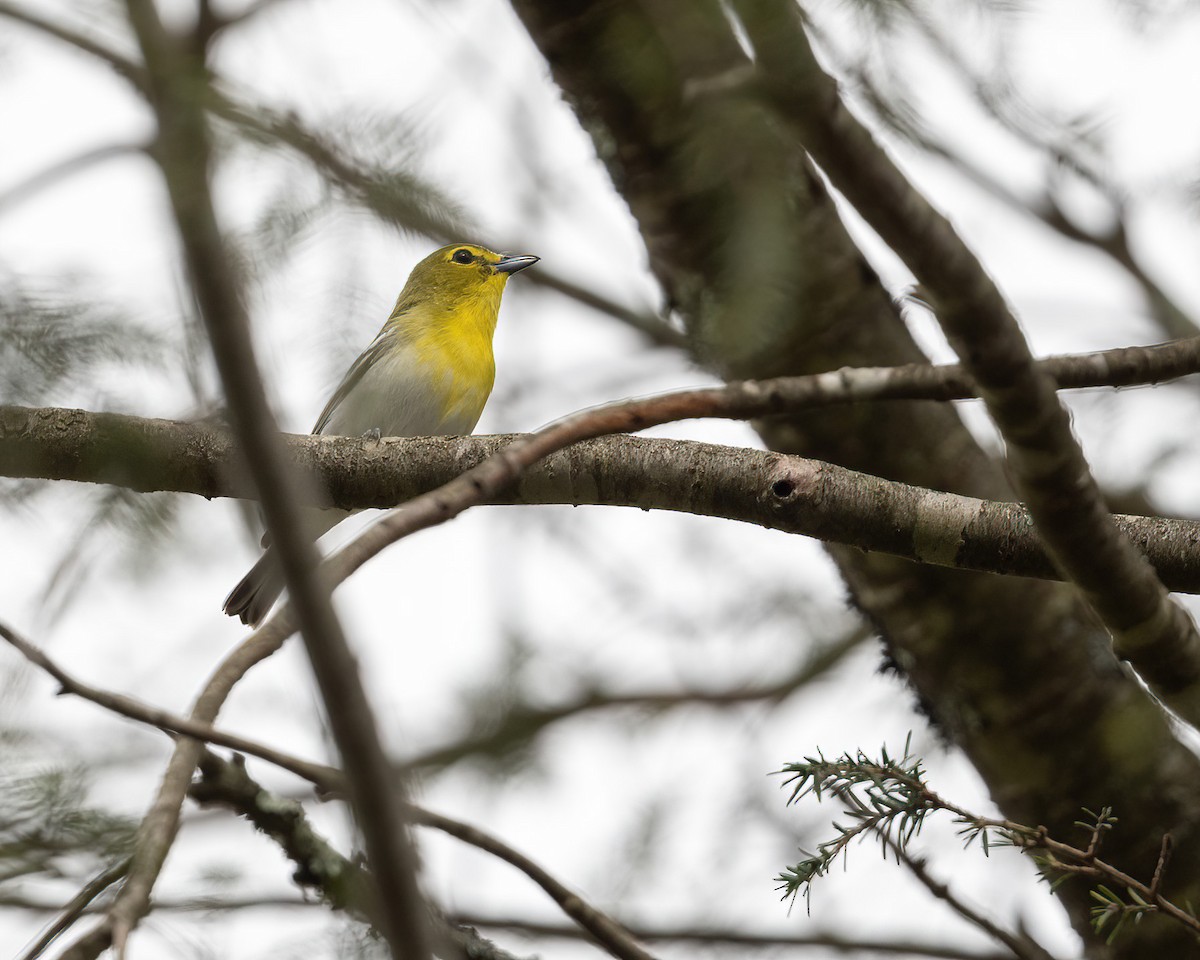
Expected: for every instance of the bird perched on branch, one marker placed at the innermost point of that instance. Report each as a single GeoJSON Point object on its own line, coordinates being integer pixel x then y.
{"type": "Point", "coordinates": [427, 373]}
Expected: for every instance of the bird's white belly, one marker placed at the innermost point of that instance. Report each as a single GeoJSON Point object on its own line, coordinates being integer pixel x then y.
{"type": "Point", "coordinates": [400, 397]}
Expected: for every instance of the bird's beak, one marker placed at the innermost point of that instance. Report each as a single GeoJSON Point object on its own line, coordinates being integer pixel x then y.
{"type": "Point", "coordinates": [513, 264]}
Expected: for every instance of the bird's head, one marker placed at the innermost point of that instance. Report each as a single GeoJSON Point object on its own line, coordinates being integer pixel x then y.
{"type": "Point", "coordinates": [461, 275]}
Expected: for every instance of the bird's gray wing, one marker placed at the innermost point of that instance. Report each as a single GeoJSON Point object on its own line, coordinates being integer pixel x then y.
{"type": "Point", "coordinates": [379, 346]}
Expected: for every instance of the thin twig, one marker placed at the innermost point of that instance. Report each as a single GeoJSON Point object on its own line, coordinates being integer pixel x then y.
{"type": "Point", "coordinates": [77, 906]}
{"type": "Point", "coordinates": [161, 822]}
{"type": "Point", "coordinates": [327, 779]}
{"type": "Point", "coordinates": [1066, 858]}
{"type": "Point", "coordinates": [229, 783]}
{"type": "Point", "coordinates": [699, 936]}
{"type": "Point", "coordinates": [49, 176]}
{"type": "Point", "coordinates": [124, 67]}
{"type": "Point", "coordinates": [735, 939]}
{"type": "Point", "coordinates": [523, 723]}
{"type": "Point", "coordinates": [1020, 945]}
{"type": "Point", "coordinates": [607, 931]}
{"type": "Point", "coordinates": [1160, 868]}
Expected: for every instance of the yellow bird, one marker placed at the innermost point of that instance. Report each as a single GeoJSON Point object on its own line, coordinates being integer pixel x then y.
{"type": "Point", "coordinates": [427, 373]}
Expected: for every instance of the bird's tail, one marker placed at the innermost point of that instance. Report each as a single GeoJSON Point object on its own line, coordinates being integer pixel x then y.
{"type": "Point", "coordinates": [256, 592]}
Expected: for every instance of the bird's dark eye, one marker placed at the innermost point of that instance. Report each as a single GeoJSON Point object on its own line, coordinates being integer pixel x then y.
{"type": "Point", "coordinates": [462, 256]}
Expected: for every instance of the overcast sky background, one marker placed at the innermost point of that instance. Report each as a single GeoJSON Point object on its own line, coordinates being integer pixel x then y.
{"type": "Point", "coordinates": [638, 600]}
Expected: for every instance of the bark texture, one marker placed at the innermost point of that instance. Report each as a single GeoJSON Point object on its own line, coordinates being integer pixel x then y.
{"type": "Point", "coordinates": [786, 493]}
{"type": "Point", "coordinates": [745, 239]}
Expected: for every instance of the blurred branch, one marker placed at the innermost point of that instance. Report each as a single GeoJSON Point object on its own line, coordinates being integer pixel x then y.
{"type": "Point", "coordinates": [198, 904]}
{"type": "Point", "coordinates": [404, 202]}
{"type": "Point", "coordinates": [225, 22]}
{"type": "Point", "coordinates": [735, 939]}
{"type": "Point", "coordinates": [57, 334]}
{"type": "Point", "coordinates": [77, 906]}
{"type": "Point", "coordinates": [174, 82]}
{"type": "Point", "coordinates": [128, 69]}
{"type": "Point", "coordinates": [610, 934]}
{"type": "Point", "coordinates": [229, 783]}
{"type": "Point", "coordinates": [54, 174]}
{"type": "Point", "coordinates": [653, 327]}
{"type": "Point", "coordinates": [696, 936]}
{"type": "Point", "coordinates": [395, 197]}
{"type": "Point", "coordinates": [521, 722]}
{"type": "Point", "coordinates": [284, 820]}
{"type": "Point", "coordinates": [1148, 628]}
{"type": "Point", "coordinates": [1171, 318]}
{"type": "Point", "coordinates": [341, 882]}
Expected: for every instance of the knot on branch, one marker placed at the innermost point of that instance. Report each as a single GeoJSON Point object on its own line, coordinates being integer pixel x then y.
{"type": "Point", "coordinates": [792, 481]}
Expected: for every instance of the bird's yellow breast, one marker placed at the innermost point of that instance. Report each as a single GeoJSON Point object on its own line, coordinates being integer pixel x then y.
{"type": "Point", "coordinates": [456, 348]}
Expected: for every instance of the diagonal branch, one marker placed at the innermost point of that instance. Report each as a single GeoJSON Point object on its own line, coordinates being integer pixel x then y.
{"type": "Point", "coordinates": [128, 69]}
{"type": "Point", "coordinates": [228, 783]}
{"type": "Point", "coordinates": [55, 173]}
{"type": "Point", "coordinates": [325, 778]}
{"type": "Point", "coordinates": [1021, 944]}
{"type": "Point", "coordinates": [176, 82]}
{"type": "Point", "coordinates": [346, 887]}
{"type": "Point", "coordinates": [1149, 630]}
{"type": "Point", "coordinates": [77, 905]}
{"type": "Point", "coordinates": [161, 821]}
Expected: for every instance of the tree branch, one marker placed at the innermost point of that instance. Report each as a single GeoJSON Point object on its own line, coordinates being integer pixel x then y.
{"type": "Point", "coordinates": [1148, 629]}
{"type": "Point", "coordinates": [522, 722]}
{"type": "Point", "coordinates": [790, 494]}
{"type": "Point", "coordinates": [128, 69]}
{"type": "Point", "coordinates": [1021, 944]}
{"type": "Point", "coordinates": [325, 778]}
{"type": "Point", "coordinates": [178, 86]}
{"type": "Point", "coordinates": [342, 883]}
{"type": "Point", "coordinates": [57, 172]}
{"type": "Point", "coordinates": [229, 783]}
{"type": "Point", "coordinates": [161, 821]}
{"type": "Point", "coordinates": [77, 906]}
{"type": "Point", "coordinates": [736, 939]}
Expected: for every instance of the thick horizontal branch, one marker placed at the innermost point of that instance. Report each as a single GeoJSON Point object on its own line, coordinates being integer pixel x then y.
{"type": "Point", "coordinates": [779, 492]}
